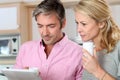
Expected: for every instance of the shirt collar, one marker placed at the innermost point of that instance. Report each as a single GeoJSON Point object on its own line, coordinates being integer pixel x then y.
{"type": "Point", "coordinates": [63, 41]}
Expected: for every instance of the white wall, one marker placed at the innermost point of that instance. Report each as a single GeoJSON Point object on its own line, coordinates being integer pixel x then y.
{"type": "Point", "coordinates": [71, 27]}
{"type": "Point", "coordinates": [116, 13]}
{"type": "Point", "coordinates": [7, 1]}
{"type": "Point", "coordinates": [35, 32]}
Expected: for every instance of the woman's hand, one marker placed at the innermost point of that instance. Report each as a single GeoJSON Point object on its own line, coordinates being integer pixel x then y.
{"type": "Point", "coordinates": [90, 63]}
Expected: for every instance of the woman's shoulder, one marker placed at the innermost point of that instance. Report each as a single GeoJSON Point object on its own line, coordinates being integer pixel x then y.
{"type": "Point", "coordinates": [117, 46]}
{"type": "Point", "coordinates": [118, 43]}
{"type": "Point", "coordinates": [117, 50]}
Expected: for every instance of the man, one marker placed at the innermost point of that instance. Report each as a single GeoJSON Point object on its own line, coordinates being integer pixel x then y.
{"type": "Point", "coordinates": [56, 57]}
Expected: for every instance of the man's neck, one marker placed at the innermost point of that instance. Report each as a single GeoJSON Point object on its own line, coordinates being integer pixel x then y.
{"type": "Point", "coordinates": [48, 48]}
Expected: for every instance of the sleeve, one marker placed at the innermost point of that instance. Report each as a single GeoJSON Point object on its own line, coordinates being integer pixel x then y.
{"type": "Point", "coordinates": [79, 73]}
{"type": "Point", "coordinates": [80, 67]}
{"type": "Point", "coordinates": [118, 74]}
{"type": "Point", "coordinates": [118, 77]}
{"type": "Point", "coordinates": [18, 63]}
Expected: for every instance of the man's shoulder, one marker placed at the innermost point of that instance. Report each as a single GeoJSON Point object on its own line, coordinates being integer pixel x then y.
{"type": "Point", "coordinates": [74, 44]}
{"type": "Point", "coordinates": [31, 43]}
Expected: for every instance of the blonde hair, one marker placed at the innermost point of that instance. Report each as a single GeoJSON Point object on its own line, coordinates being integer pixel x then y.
{"type": "Point", "coordinates": [100, 12]}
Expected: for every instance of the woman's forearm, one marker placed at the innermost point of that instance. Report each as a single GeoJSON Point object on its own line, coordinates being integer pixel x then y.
{"type": "Point", "coordinates": [103, 75]}
{"type": "Point", "coordinates": [108, 77]}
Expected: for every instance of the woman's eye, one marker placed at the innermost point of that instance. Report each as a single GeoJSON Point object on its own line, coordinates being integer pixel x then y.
{"type": "Point", "coordinates": [76, 22]}
{"type": "Point", "coordinates": [83, 24]}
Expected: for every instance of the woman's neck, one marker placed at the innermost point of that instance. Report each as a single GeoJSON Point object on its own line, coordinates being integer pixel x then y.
{"type": "Point", "coordinates": [97, 43]}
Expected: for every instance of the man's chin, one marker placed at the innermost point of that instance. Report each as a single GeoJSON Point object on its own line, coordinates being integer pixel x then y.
{"type": "Point", "coordinates": [47, 42]}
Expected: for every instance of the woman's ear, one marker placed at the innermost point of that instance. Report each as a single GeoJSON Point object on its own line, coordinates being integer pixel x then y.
{"type": "Point", "coordinates": [101, 25]}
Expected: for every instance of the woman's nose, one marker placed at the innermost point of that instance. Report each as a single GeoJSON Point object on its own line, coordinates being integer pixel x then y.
{"type": "Point", "coordinates": [79, 28]}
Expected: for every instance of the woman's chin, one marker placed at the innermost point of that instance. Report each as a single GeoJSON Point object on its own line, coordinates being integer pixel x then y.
{"type": "Point", "coordinates": [84, 40]}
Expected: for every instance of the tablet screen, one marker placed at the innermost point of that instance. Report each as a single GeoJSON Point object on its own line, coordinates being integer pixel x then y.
{"type": "Point", "coordinates": [21, 74]}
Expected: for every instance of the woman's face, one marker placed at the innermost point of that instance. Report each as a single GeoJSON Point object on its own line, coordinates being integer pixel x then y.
{"type": "Point", "coordinates": [87, 27]}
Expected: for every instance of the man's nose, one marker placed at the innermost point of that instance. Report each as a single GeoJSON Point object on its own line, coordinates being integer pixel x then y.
{"type": "Point", "coordinates": [45, 31]}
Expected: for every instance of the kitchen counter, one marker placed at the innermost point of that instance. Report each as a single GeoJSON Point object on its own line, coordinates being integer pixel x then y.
{"type": "Point", "coordinates": [2, 67]}
{"type": "Point", "coordinates": [3, 78]}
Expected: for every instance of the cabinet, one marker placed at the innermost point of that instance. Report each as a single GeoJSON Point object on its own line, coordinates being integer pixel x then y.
{"type": "Point", "coordinates": [13, 21]}
{"type": "Point", "coordinates": [16, 17]}
{"type": "Point", "coordinates": [8, 18]}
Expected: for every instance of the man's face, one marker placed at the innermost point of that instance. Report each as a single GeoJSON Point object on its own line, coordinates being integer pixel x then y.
{"type": "Point", "coordinates": [49, 28]}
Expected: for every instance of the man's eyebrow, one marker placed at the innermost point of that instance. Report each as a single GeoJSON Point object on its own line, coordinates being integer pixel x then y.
{"type": "Point", "coordinates": [50, 24]}
{"type": "Point", "coordinates": [38, 24]}
{"type": "Point", "coordinates": [46, 25]}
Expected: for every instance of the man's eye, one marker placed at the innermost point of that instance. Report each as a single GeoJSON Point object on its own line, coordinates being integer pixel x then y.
{"type": "Point", "coordinates": [52, 26]}
{"type": "Point", "coordinates": [39, 26]}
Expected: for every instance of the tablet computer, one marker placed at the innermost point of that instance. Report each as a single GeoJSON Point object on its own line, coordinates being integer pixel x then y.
{"type": "Point", "coordinates": [21, 74]}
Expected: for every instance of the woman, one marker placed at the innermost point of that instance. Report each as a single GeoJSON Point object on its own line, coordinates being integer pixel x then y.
{"type": "Point", "coordinates": [94, 22]}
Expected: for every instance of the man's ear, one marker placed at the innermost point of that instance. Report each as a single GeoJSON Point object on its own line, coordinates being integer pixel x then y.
{"type": "Point", "coordinates": [64, 23]}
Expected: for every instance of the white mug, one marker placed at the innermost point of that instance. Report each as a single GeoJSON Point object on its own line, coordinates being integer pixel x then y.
{"type": "Point", "coordinates": [88, 45]}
